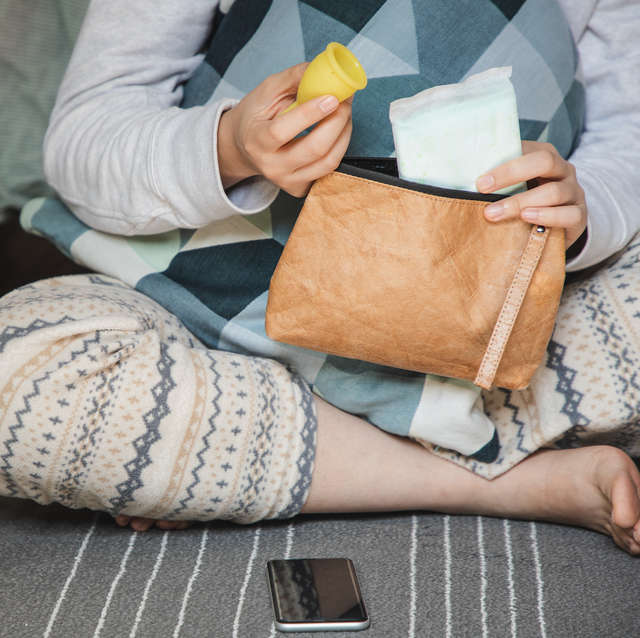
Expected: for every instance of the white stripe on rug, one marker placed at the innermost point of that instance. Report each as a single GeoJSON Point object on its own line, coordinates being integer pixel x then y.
{"type": "Point", "coordinates": [447, 574]}
{"type": "Point", "coordinates": [71, 576]}
{"type": "Point", "coordinates": [512, 589]}
{"type": "Point", "coordinates": [287, 549]}
{"type": "Point", "coordinates": [483, 579]}
{"type": "Point", "coordinates": [194, 575]}
{"type": "Point", "coordinates": [539, 581]}
{"type": "Point", "coordinates": [247, 577]}
{"type": "Point", "coordinates": [412, 575]}
{"type": "Point", "coordinates": [114, 584]}
{"type": "Point", "coordinates": [154, 573]}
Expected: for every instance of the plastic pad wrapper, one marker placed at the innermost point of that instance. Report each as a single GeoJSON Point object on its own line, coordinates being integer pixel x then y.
{"type": "Point", "coordinates": [449, 135]}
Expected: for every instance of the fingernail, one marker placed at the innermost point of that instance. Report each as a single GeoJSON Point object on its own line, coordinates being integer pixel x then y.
{"type": "Point", "coordinates": [329, 104]}
{"type": "Point", "coordinates": [493, 211]}
{"type": "Point", "coordinates": [530, 215]}
{"type": "Point", "coordinates": [486, 182]}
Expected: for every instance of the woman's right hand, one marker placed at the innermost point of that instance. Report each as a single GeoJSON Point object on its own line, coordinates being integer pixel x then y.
{"type": "Point", "coordinates": [256, 138]}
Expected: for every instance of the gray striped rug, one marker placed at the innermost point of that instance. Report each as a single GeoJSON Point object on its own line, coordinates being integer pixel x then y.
{"type": "Point", "coordinates": [74, 574]}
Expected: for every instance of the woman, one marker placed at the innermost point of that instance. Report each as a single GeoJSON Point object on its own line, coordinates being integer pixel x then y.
{"type": "Point", "coordinates": [117, 98]}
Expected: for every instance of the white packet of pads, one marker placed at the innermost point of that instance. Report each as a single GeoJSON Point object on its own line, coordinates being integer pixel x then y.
{"type": "Point", "coordinates": [449, 135]}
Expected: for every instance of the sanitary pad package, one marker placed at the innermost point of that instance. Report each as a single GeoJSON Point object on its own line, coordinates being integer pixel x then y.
{"type": "Point", "coordinates": [449, 135]}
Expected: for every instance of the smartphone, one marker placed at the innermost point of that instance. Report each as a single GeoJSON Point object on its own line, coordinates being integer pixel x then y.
{"type": "Point", "coordinates": [316, 594]}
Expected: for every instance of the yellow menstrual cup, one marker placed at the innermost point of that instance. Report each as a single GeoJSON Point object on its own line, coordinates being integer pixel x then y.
{"type": "Point", "coordinates": [336, 71]}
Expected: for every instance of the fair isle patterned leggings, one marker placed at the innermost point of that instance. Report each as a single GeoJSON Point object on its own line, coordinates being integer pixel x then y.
{"type": "Point", "coordinates": [108, 402]}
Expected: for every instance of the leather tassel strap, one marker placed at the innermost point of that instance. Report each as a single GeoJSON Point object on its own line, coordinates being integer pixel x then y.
{"type": "Point", "coordinates": [511, 307]}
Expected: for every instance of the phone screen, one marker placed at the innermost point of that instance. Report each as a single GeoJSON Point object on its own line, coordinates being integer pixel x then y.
{"type": "Point", "coordinates": [317, 590]}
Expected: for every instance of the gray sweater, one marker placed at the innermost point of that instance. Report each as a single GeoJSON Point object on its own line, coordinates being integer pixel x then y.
{"type": "Point", "coordinates": [127, 160]}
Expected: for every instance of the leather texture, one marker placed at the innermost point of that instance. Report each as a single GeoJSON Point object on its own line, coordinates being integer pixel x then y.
{"type": "Point", "coordinates": [384, 274]}
{"type": "Point", "coordinates": [511, 307]}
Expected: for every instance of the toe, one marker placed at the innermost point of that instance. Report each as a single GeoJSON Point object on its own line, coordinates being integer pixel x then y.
{"type": "Point", "coordinates": [634, 548]}
{"type": "Point", "coordinates": [625, 502]}
{"type": "Point", "coordinates": [174, 524]}
{"type": "Point", "coordinates": [624, 540]}
{"type": "Point", "coordinates": [123, 520]}
{"type": "Point", "coordinates": [140, 524]}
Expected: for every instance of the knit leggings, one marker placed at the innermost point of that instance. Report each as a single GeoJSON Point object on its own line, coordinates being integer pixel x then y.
{"type": "Point", "coordinates": [108, 402]}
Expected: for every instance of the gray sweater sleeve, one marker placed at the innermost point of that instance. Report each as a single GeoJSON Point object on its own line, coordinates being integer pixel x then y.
{"type": "Point", "coordinates": [118, 150]}
{"type": "Point", "coordinates": [607, 160]}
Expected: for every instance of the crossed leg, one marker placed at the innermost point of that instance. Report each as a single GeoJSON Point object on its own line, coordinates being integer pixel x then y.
{"type": "Point", "coordinates": [359, 468]}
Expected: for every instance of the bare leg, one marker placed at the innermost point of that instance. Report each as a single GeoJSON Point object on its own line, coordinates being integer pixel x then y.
{"type": "Point", "coordinates": [361, 468]}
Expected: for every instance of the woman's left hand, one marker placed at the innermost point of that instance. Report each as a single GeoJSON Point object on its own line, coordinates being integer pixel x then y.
{"type": "Point", "coordinates": [557, 200]}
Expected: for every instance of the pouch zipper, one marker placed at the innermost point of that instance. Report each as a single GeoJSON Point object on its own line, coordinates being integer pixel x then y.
{"type": "Point", "coordinates": [385, 171]}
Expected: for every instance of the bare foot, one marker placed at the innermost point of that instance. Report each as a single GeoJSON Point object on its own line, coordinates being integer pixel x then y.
{"type": "Point", "coordinates": [141, 524]}
{"type": "Point", "coordinates": [595, 487]}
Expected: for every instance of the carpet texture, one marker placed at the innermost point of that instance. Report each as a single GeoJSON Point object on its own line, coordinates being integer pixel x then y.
{"type": "Point", "coordinates": [71, 574]}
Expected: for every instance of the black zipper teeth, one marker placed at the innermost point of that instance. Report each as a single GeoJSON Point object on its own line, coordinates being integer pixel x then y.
{"type": "Point", "coordinates": [379, 167]}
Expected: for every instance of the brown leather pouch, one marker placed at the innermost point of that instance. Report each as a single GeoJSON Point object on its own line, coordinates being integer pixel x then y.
{"type": "Point", "coordinates": [414, 277]}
